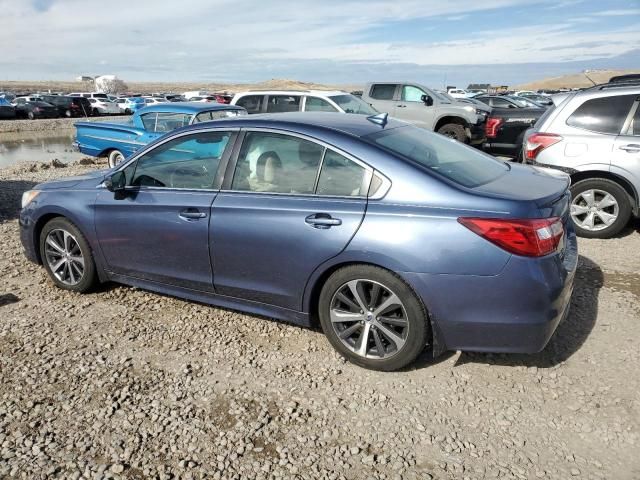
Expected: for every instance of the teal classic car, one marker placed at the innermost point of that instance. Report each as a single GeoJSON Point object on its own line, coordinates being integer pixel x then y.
{"type": "Point", "coordinates": [117, 141]}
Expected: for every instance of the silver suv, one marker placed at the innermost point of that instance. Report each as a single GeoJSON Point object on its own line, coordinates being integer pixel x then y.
{"type": "Point", "coordinates": [594, 136]}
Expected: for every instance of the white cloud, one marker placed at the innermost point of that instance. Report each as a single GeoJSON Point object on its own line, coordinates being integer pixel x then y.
{"type": "Point", "coordinates": [229, 39]}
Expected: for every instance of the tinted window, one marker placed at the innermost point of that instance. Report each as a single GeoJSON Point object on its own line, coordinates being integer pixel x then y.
{"type": "Point", "coordinates": [443, 156]}
{"type": "Point", "coordinates": [635, 127]}
{"type": "Point", "coordinates": [315, 104]}
{"type": "Point", "coordinates": [340, 176]}
{"type": "Point", "coordinates": [270, 162]}
{"type": "Point", "coordinates": [383, 91]}
{"type": "Point", "coordinates": [603, 115]}
{"type": "Point", "coordinates": [500, 102]}
{"type": "Point", "coordinates": [352, 104]}
{"type": "Point", "coordinates": [252, 103]}
{"type": "Point", "coordinates": [283, 103]}
{"type": "Point", "coordinates": [412, 94]}
{"type": "Point", "coordinates": [216, 114]}
{"type": "Point", "coordinates": [185, 162]}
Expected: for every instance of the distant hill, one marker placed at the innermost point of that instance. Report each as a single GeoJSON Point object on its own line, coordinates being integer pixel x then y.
{"type": "Point", "coordinates": [575, 80]}
{"type": "Point", "coordinates": [151, 87]}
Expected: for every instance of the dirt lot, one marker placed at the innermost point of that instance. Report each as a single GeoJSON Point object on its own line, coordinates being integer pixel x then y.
{"type": "Point", "coordinates": [51, 124]}
{"type": "Point", "coordinates": [123, 383]}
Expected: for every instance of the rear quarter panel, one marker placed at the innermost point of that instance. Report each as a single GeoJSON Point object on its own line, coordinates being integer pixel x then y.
{"type": "Point", "coordinates": [96, 139]}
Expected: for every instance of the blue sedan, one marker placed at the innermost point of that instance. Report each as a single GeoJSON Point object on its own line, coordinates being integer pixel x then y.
{"type": "Point", "coordinates": [390, 237]}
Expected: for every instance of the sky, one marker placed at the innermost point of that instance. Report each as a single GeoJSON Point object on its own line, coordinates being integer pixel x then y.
{"type": "Point", "coordinates": [437, 42]}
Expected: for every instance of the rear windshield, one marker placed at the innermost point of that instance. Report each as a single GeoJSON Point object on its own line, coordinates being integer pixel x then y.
{"type": "Point", "coordinates": [353, 104]}
{"type": "Point", "coordinates": [443, 156]}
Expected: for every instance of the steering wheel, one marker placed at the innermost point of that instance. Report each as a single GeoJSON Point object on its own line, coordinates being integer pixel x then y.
{"type": "Point", "coordinates": [181, 176]}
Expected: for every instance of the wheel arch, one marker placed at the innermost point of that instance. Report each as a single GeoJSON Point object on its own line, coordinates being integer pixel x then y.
{"type": "Point", "coordinates": [450, 119]}
{"type": "Point", "coordinates": [620, 180]}
{"type": "Point", "coordinates": [37, 231]}
{"type": "Point", "coordinates": [320, 276]}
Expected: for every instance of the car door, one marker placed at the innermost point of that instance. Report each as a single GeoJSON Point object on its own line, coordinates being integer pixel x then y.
{"type": "Point", "coordinates": [384, 97]}
{"type": "Point", "coordinates": [289, 203]}
{"type": "Point", "coordinates": [625, 159]}
{"type": "Point", "coordinates": [159, 229]}
{"type": "Point", "coordinates": [412, 109]}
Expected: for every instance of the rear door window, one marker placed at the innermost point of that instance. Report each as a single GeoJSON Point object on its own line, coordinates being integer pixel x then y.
{"type": "Point", "coordinates": [383, 91]}
{"type": "Point", "coordinates": [252, 103]}
{"type": "Point", "coordinates": [602, 115]}
{"type": "Point", "coordinates": [283, 103]}
{"type": "Point", "coordinates": [341, 176]}
{"type": "Point", "coordinates": [271, 162]}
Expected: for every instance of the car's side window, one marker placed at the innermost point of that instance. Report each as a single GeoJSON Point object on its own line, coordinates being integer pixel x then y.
{"type": "Point", "coordinates": [283, 103]}
{"type": "Point", "coordinates": [602, 115]}
{"type": "Point", "coordinates": [499, 102]}
{"type": "Point", "coordinates": [412, 94]}
{"type": "Point", "coordinates": [383, 91]}
{"type": "Point", "coordinates": [635, 125]}
{"type": "Point", "coordinates": [190, 161]}
{"type": "Point", "coordinates": [216, 114]}
{"type": "Point", "coordinates": [341, 176]}
{"type": "Point", "coordinates": [165, 122]}
{"type": "Point", "coordinates": [315, 104]}
{"type": "Point", "coordinates": [271, 162]}
{"type": "Point", "coordinates": [148, 120]}
{"type": "Point", "coordinates": [251, 103]}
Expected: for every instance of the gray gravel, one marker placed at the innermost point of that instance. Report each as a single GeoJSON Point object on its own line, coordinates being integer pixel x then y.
{"type": "Point", "coordinates": [123, 383]}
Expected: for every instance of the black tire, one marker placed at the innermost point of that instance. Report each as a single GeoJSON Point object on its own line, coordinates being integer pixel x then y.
{"type": "Point", "coordinates": [89, 276]}
{"type": "Point", "coordinates": [115, 158]}
{"type": "Point", "coordinates": [617, 192]}
{"type": "Point", "coordinates": [127, 111]}
{"type": "Point", "coordinates": [416, 336]}
{"type": "Point", "coordinates": [95, 112]}
{"type": "Point", "coordinates": [31, 115]}
{"type": "Point", "coordinates": [455, 131]}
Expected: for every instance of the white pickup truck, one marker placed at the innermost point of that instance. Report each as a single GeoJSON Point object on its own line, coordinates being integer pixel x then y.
{"type": "Point", "coordinates": [426, 108]}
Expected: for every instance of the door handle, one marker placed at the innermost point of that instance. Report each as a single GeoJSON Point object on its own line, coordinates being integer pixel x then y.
{"type": "Point", "coordinates": [631, 148]}
{"type": "Point", "coordinates": [401, 106]}
{"type": "Point", "coordinates": [192, 214]}
{"type": "Point", "coordinates": [322, 220]}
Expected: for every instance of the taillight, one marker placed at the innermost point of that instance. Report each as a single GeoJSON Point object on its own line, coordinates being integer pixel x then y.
{"type": "Point", "coordinates": [492, 125]}
{"type": "Point", "coordinates": [537, 142]}
{"type": "Point", "coordinates": [534, 237]}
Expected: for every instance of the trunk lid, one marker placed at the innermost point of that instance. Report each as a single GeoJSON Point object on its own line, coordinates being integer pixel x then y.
{"type": "Point", "coordinates": [528, 183]}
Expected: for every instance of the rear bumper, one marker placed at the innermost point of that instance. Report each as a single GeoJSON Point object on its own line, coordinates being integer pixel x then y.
{"type": "Point", "coordinates": [516, 311]}
{"type": "Point", "coordinates": [507, 149]}
{"type": "Point", "coordinates": [477, 134]}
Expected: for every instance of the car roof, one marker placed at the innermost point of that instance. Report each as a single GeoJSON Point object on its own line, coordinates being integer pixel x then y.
{"type": "Point", "coordinates": [348, 123]}
{"type": "Point", "coordinates": [189, 107]}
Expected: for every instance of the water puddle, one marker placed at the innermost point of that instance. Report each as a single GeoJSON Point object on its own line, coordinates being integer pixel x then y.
{"type": "Point", "coordinates": [37, 147]}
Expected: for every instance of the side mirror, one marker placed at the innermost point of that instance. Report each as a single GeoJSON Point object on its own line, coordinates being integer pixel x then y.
{"type": "Point", "coordinates": [427, 100]}
{"type": "Point", "coordinates": [116, 182]}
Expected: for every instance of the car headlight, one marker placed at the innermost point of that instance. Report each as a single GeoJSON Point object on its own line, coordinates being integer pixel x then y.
{"type": "Point", "coordinates": [28, 196]}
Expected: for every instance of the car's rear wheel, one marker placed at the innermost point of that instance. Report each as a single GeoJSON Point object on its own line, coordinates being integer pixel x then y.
{"type": "Point", "coordinates": [115, 158]}
{"type": "Point", "coordinates": [372, 317]}
{"type": "Point", "coordinates": [455, 131]}
{"type": "Point", "coordinates": [600, 208]}
{"type": "Point", "coordinates": [66, 256]}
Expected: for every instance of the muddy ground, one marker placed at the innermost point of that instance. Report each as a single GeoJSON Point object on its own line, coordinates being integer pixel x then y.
{"type": "Point", "coordinates": [123, 383]}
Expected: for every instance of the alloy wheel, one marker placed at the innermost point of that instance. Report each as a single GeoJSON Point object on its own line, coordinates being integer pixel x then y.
{"type": "Point", "coordinates": [594, 210]}
{"type": "Point", "coordinates": [369, 319]}
{"type": "Point", "coordinates": [64, 257]}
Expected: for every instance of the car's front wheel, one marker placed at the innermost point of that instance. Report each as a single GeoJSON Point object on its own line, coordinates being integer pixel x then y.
{"type": "Point", "coordinates": [600, 208]}
{"type": "Point", "coordinates": [115, 158]}
{"type": "Point", "coordinates": [66, 256]}
{"type": "Point", "coordinates": [372, 317]}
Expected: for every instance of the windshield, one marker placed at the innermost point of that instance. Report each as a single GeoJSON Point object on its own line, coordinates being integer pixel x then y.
{"type": "Point", "coordinates": [523, 102]}
{"type": "Point", "coordinates": [353, 104]}
{"type": "Point", "coordinates": [441, 155]}
{"type": "Point", "coordinates": [443, 97]}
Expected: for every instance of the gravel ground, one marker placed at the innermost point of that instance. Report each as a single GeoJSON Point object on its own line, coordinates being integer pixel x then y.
{"type": "Point", "coordinates": [50, 124]}
{"type": "Point", "coordinates": [123, 383]}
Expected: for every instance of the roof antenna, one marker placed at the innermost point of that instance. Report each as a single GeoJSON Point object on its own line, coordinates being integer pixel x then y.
{"type": "Point", "coordinates": [584, 72]}
{"type": "Point", "coordinates": [380, 119]}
